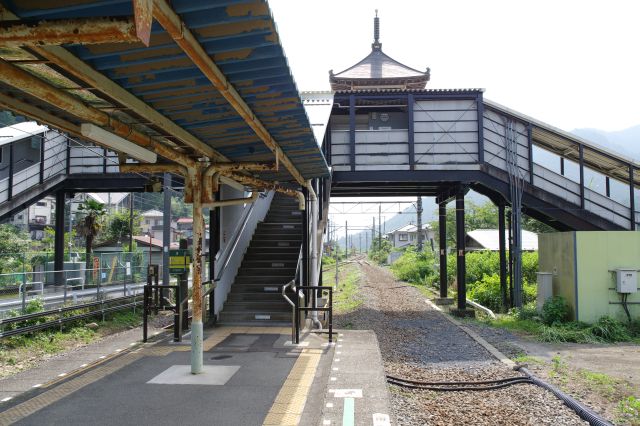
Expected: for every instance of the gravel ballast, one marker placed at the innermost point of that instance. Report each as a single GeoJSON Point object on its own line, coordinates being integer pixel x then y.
{"type": "Point", "coordinates": [418, 343]}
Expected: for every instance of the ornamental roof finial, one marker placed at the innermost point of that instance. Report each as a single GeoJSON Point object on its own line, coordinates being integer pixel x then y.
{"type": "Point", "coordinates": [376, 33]}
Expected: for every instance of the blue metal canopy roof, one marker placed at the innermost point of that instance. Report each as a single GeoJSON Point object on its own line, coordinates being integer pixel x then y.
{"type": "Point", "coordinates": [241, 38]}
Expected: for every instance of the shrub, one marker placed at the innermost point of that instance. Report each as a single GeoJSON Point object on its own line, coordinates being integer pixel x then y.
{"type": "Point", "coordinates": [555, 311]}
{"type": "Point", "coordinates": [610, 330]}
{"type": "Point", "coordinates": [415, 267]}
{"type": "Point", "coordinates": [487, 292]}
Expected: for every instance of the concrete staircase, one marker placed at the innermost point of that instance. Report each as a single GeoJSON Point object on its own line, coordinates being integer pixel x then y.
{"type": "Point", "coordinates": [269, 263]}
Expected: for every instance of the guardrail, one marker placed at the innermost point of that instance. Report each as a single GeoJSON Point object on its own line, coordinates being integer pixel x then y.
{"type": "Point", "coordinates": [328, 308]}
{"type": "Point", "coordinates": [102, 307]}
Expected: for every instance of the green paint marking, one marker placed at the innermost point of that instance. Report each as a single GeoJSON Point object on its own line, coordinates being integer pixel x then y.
{"type": "Point", "coordinates": [348, 414]}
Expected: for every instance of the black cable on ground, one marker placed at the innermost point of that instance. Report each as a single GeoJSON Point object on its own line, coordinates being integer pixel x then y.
{"type": "Point", "coordinates": [581, 410]}
{"type": "Point", "coordinates": [482, 382]}
{"type": "Point", "coordinates": [458, 386]}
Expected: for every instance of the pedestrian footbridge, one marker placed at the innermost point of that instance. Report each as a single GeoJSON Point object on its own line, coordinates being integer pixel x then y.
{"type": "Point", "coordinates": [429, 142]}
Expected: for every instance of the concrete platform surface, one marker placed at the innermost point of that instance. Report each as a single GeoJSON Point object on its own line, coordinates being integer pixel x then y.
{"type": "Point", "coordinates": [253, 376]}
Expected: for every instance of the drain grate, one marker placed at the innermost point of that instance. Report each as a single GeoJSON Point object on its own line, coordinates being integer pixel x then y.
{"type": "Point", "coordinates": [219, 357]}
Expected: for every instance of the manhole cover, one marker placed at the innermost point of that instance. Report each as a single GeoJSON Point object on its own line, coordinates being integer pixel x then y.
{"type": "Point", "coordinates": [219, 357]}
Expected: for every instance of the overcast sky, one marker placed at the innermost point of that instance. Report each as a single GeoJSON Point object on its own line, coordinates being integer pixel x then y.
{"type": "Point", "coordinates": [571, 64]}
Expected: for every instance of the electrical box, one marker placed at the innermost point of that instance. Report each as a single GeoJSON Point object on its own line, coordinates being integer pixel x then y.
{"type": "Point", "coordinates": [626, 280]}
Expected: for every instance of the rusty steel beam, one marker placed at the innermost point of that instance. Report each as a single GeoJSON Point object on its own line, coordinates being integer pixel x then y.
{"type": "Point", "coordinates": [75, 66]}
{"type": "Point", "coordinates": [142, 12]}
{"type": "Point", "coordinates": [69, 31]}
{"type": "Point", "coordinates": [184, 38]}
{"type": "Point", "coordinates": [38, 114]}
{"type": "Point", "coordinates": [244, 165]}
{"type": "Point", "coordinates": [153, 168]}
{"type": "Point", "coordinates": [262, 184]}
{"type": "Point", "coordinates": [28, 83]}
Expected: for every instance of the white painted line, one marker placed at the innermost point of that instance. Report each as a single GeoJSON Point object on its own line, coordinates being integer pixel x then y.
{"type": "Point", "coordinates": [118, 350]}
{"type": "Point", "coordinates": [301, 344]}
{"type": "Point", "coordinates": [380, 419]}
{"type": "Point", "coordinates": [337, 360]}
{"type": "Point", "coordinates": [347, 393]}
{"type": "Point", "coordinates": [102, 357]}
{"type": "Point", "coordinates": [83, 365]}
{"type": "Point", "coordinates": [333, 379]}
{"type": "Point", "coordinates": [338, 352]}
{"type": "Point", "coordinates": [132, 343]}
{"type": "Point", "coordinates": [339, 346]}
{"type": "Point", "coordinates": [9, 398]}
{"type": "Point", "coordinates": [156, 333]}
{"type": "Point", "coordinates": [335, 368]}
{"type": "Point", "coordinates": [340, 334]}
{"type": "Point", "coordinates": [329, 404]}
{"type": "Point", "coordinates": [62, 374]}
{"type": "Point", "coordinates": [37, 385]}
{"type": "Point", "coordinates": [326, 422]}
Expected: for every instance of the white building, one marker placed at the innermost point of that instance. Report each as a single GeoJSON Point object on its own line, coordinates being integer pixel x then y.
{"type": "Point", "coordinates": [408, 235]}
{"type": "Point", "coordinates": [488, 239]}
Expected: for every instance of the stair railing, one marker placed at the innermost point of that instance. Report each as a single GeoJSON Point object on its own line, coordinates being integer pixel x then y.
{"type": "Point", "coordinates": [295, 324]}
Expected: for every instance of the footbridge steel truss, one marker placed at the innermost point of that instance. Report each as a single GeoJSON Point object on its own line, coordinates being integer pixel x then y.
{"type": "Point", "coordinates": [444, 142]}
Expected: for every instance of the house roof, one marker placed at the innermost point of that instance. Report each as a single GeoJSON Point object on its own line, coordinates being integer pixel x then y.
{"type": "Point", "coordinates": [410, 228]}
{"type": "Point", "coordinates": [152, 213]}
{"type": "Point", "coordinates": [185, 220]}
{"type": "Point", "coordinates": [143, 241]}
{"type": "Point", "coordinates": [378, 65]}
{"type": "Point", "coordinates": [488, 239]}
{"type": "Point", "coordinates": [20, 131]}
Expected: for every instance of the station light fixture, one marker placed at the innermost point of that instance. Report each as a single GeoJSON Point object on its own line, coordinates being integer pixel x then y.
{"type": "Point", "coordinates": [117, 143]}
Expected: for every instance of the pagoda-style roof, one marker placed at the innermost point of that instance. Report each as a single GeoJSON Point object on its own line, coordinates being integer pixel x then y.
{"type": "Point", "coordinates": [378, 71]}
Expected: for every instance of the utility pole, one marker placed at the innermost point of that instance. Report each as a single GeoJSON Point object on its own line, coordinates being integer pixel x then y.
{"type": "Point", "coordinates": [373, 232]}
{"type": "Point", "coordinates": [346, 240]}
{"type": "Point", "coordinates": [335, 235]}
{"type": "Point", "coordinates": [379, 227]}
{"type": "Point", "coordinates": [419, 222]}
{"type": "Point", "coordinates": [131, 223]}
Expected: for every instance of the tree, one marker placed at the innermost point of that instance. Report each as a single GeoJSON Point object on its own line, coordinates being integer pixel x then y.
{"type": "Point", "coordinates": [118, 226]}
{"type": "Point", "coordinates": [483, 216]}
{"type": "Point", "coordinates": [13, 243]}
{"type": "Point", "coordinates": [89, 227]}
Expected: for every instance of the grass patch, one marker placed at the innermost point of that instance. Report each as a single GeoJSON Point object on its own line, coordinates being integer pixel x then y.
{"type": "Point", "coordinates": [18, 353]}
{"type": "Point", "coordinates": [527, 359]}
{"type": "Point", "coordinates": [630, 410]}
{"type": "Point", "coordinates": [605, 330]}
{"type": "Point", "coordinates": [346, 297]}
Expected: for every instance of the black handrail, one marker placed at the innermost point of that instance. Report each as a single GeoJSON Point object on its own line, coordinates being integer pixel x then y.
{"type": "Point", "coordinates": [329, 308]}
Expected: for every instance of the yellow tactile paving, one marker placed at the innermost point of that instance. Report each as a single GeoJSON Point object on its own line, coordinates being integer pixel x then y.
{"type": "Point", "coordinates": [45, 399]}
{"type": "Point", "coordinates": [289, 403]}
{"type": "Point", "coordinates": [282, 419]}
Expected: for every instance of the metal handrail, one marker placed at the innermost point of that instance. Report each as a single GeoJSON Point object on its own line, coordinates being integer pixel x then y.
{"type": "Point", "coordinates": [293, 307]}
{"type": "Point", "coordinates": [227, 254]}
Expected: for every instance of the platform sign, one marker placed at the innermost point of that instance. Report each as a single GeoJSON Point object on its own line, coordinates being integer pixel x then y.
{"type": "Point", "coordinates": [179, 261]}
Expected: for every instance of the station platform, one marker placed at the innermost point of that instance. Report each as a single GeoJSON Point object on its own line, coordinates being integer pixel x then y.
{"type": "Point", "coordinates": [252, 376]}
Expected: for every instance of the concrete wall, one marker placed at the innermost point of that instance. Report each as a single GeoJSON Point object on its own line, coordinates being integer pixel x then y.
{"type": "Point", "coordinates": [599, 253]}
{"type": "Point", "coordinates": [581, 263]}
{"type": "Point", "coordinates": [556, 254]}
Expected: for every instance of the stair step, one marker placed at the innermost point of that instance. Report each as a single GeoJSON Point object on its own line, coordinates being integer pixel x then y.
{"type": "Point", "coordinates": [255, 296]}
{"type": "Point", "coordinates": [249, 306]}
{"type": "Point", "coordinates": [254, 316]}
{"type": "Point", "coordinates": [261, 263]}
